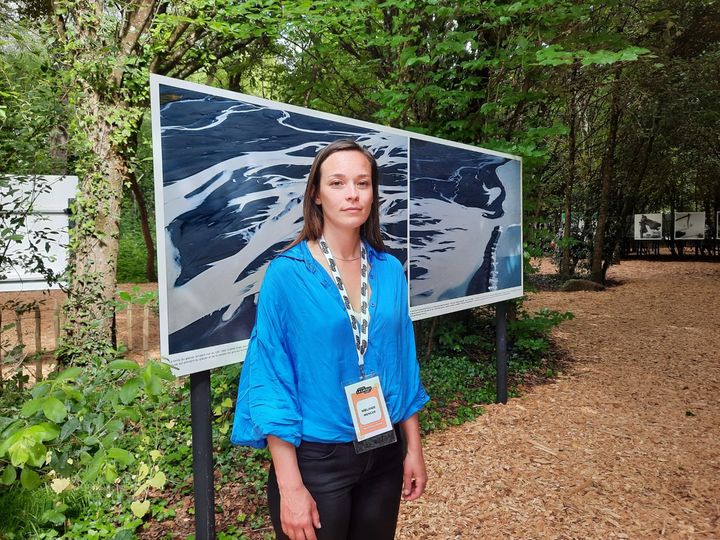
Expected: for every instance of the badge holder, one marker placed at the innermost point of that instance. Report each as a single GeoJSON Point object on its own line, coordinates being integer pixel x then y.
{"type": "Point", "coordinates": [373, 428]}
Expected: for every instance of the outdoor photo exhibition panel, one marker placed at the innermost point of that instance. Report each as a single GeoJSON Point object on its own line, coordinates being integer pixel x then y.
{"type": "Point", "coordinates": [648, 226]}
{"type": "Point", "coordinates": [230, 173]}
{"type": "Point", "coordinates": [465, 227]}
{"type": "Point", "coordinates": [689, 225]}
{"type": "Point", "coordinates": [717, 226]}
{"type": "Point", "coordinates": [50, 215]}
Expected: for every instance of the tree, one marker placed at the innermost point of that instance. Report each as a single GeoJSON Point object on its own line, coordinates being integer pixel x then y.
{"type": "Point", "coordinates": [103, 53]}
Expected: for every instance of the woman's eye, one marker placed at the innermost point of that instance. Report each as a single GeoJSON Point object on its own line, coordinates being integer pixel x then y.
{"type": "Point", "coordinates": [364, 183]}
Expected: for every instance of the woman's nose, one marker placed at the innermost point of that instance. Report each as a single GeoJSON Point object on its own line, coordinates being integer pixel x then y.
{"type": "Point", "coordinates": [352, 191]}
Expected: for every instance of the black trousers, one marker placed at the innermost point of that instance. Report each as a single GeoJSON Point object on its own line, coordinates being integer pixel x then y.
{"type": "Point", "coordinates": [358, 495]}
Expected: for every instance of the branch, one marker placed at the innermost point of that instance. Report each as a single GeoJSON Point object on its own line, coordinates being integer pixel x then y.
{"type": "Point", "coordinates": [138, 21]}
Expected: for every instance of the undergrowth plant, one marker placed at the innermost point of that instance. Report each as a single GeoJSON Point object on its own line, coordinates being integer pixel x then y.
{"type": "Point", "coordinates": [73, 447]}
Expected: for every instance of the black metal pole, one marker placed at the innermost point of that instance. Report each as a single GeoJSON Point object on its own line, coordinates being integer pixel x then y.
{"type": "Point", "coordinates": [203, 485]}
{"type": "Point", "coordinates": [501, 351]}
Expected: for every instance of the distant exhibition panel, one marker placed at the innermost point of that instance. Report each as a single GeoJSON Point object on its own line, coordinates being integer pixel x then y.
{"type": "Point", "coordinates": [648, 226]}
{"type": "Point", "coordinates": [230, 172]}
{"type": "Point", "coordinates": [689, 225]}
{"type": "Point", "coordinates": [49, 197]}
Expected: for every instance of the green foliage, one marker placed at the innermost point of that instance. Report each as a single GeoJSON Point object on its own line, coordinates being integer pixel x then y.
{"type": "Point", "coordinates": [77, 432]}
{"type": "Point", "coordinates": [529, 334]}
{"type": "Point", "coordinates": [457, 387]}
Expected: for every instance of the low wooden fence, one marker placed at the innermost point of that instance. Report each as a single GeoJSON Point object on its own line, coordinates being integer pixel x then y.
{"type": "Point", "coordinates": [28, 337]}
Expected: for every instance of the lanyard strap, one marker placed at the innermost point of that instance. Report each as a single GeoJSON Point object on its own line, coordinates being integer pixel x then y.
{"type": "Point", "coordinates": [359, 328]}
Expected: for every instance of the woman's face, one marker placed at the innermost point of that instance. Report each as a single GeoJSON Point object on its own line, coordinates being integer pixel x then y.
{"type": "Point", "coordinates": [345, 191]}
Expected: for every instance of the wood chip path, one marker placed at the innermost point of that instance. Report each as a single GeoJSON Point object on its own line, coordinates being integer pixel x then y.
{"type": "Point", "coordinates": [625, 444]}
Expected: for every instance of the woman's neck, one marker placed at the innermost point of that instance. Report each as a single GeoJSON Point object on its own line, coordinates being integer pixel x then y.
{"type": "Point", "coordinates": [344, 244]}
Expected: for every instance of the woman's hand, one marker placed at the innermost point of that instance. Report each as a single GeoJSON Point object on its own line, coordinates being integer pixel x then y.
{"type": "Point", "coordinates": [414, 472]}
{"type": "Point", "coordinates": [299, 515]}
{"type": "Point", "coordinates": [414, 475]}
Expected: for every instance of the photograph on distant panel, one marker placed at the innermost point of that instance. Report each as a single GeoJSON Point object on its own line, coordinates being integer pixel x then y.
{"type": "Point", "coordinates": [648, 226]}
{"type": "Point", "coordinates": [465, 226]}
{"type": "Point", "coordinates": [689, 225]}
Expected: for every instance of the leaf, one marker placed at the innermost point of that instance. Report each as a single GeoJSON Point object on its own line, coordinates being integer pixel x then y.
{"type": "Point", "coordinates": [31, 407]}
{"type": "Point", "coordinates": [123, 364]}
{"type": "Point", "coordinates": [29, 479]}
{"type": "Point", "coordinates": [114, 426]}
{"type": "Point", "coordinates": [58, 485]}
{"type": "Point", "coordinates": [27, 450]}
{"type": "Point", "coordinates": [143, 471]}
{"type": "Point", "coordinates": [158, 481]}
{"type": "Point", "coordinates": [54, 409]}
{"type": "Point", "coordinates": [153, 383]}
{"type": "Point", "coordinates": [425, 59]}
{"type": "Point", "coordinates": [94, 468]}
{"type": "Point", "coordinates": [9, 475]}
{"type": "Point", "coordinates": [139, 509]}
{"type": "Point", "coordinates": [110, 473]}
{"type": "Point", "coordinates": [121, 455]}
{"type": "Point", "coordinates": [52, 516]}
{"type": "Point", "coordinates": [69, 428]}
{"type": "Point", "coordinates": [69, 374]}
{"type": "Point", "coordinates": [43, 431]}
{"type": "Point", "coordinates": [130, 390]}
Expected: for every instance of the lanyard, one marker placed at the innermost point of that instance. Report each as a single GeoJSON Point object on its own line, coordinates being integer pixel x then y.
{"type": "Point", "coordinates": [359, 328]}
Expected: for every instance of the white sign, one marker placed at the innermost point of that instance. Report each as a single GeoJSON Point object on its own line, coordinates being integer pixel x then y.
{"type": "Point", "coordinates": [50, 196]}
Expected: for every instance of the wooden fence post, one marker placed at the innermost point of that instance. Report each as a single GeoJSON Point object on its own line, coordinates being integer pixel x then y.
{"type": "Point", "coordinates": [38, 346]}
{"type": "Point", "coordinates": [129, 323]}
{"type": "Point", "coordinates": [21, 343]}
{"type": "Point", "coordinates": [56, 321]}
{"type": "Point", "coordinates": [146, 331]}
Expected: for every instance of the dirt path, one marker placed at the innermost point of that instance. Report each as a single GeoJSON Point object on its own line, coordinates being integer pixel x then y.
{"type": "Point", "coordinates": [626, 444]}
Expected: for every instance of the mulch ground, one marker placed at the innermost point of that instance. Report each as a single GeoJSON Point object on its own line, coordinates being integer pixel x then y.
{"type": "Point", "coordinates": [625, 444]}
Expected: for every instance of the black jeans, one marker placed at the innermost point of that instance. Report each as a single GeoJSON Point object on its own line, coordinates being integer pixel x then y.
{"type": "Point", "coordinates": [358, 495]}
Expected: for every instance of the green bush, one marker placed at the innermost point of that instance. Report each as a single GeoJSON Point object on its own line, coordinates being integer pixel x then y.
{"type": "Point", "coordinates": [73, 447]}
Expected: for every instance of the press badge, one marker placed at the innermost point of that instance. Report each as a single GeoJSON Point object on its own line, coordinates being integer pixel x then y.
{"type": "Point", "coordinates": [369, 413]}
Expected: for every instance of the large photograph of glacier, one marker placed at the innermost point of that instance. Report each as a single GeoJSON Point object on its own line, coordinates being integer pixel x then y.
{"type": "Point", "coordinates": [465, 227]}
{"type": "Point", "coordinates": [233, 172]}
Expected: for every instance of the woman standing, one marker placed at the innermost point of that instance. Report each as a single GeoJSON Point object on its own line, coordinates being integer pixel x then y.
{"type": "Point", "coordinates": [331, 382]}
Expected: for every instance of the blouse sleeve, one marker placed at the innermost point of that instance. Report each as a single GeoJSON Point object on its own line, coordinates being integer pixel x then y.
{"type": "Point", "coordinates": [416, 396]}
{"type": "Point", "coordinates": [267, 395]}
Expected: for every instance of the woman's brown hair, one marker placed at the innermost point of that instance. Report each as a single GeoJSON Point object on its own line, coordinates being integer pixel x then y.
{"type": "Point", "coordinates": [312, 212]}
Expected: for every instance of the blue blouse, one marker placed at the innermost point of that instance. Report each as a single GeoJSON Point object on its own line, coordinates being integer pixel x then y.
{"type": "Point", "coordinates": [302, 353]}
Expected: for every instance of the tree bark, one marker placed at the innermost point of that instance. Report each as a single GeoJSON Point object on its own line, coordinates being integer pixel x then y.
{"type": "Point", "coordinates": [606, 177]}
{"type": "Point", "coordinates": [150, 272]}
{"type": "Point", "coordinates": [94, 243]}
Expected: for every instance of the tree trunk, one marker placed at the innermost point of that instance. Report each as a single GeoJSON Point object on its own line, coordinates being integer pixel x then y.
{"type": "Point", "coordinates": [606, 177]}
{"type": "Point", "coordinates": [129, 153]}
{"type": "Point", "coordinates": [565, 261]}
{"type": "Point", "coordinates": [94, 239]}
{"type": "Point", "coordinates": [150, 272]}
